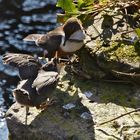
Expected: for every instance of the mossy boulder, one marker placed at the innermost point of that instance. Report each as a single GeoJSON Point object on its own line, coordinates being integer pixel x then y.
{"type": "Point", "coordinates": [94, 103]}
{"type": "Point", "coordinates": [112, 46]}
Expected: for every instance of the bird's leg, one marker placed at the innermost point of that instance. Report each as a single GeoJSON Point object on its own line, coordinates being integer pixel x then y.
{"type": "Point", "coordinates": [68, 58]}
{"type": "Point", "coordinates": [27, 110]}
{"type": "Point", "coordinates": [56, 55]}
{"type": "Point", "coordinates": [45, 53]}
{"type": "Point", "coordinates": [47, 103]}
{"type": "Point", "coordinates": [52, 101]}
{"type": "Point", "coordinates": [64, 60]}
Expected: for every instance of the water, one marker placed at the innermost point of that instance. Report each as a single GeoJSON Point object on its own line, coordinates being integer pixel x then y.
{"type": "Point", "coordinates": [17, 20]}
{"type": "Point", "coordinates": [4, 132]}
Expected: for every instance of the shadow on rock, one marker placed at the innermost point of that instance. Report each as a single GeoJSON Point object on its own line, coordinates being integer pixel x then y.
{"type": "Point", "coordinates": [68, 119]}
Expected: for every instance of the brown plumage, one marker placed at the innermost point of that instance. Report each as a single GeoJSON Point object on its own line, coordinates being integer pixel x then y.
{"type": "Point", "coordinates": [27, 65]}
{"type": "Point", "coordinates": [65, 39]}
{"type": "Point", "coordinates": [37, 82]}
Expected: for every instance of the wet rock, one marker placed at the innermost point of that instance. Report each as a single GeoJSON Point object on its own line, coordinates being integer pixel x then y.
{"type": "Point", "coordinates": [86, 116]}
{"type": "Point", "coordinates": [69, 106]}
{"type": "Point", "coordinates": [54, 123]}
{"type": "Point", "coordinates": [47, 125]}
{"type": "Point", "coordinates": [82, 121]}
{"type": "Point", "coordinates": [88, 94]}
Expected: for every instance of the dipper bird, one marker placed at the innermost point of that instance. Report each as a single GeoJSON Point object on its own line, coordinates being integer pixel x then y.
{"type": "Point", "coordinates": [37, 82]}
{"type": "Point", "coordinates": [62, 41]}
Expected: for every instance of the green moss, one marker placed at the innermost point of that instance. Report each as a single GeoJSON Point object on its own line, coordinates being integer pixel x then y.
{"type": "Point", "coordinates": [71, 125]}
{"type": "Point", "coordinates": [117, 93]}
{"type": "Point", "coordinates": [90, 66]}
{"type": "Point", "coordinates": [122, 52]}
{"type": "Point", "coordinates": [122, 94]}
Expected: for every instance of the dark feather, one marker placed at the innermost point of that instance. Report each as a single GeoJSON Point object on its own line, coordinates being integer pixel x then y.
{"type": "Point", "coordinates": [28, 66]}
{"type": "Point", "coordinates": [50, 42]}
{"type": "Point", "coordinates": [45, 79]}
{"type": "Point", "coordinates": [33, 37]}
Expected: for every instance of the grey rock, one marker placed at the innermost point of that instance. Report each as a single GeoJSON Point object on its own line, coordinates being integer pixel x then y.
{"type": "Point", "coordinates": [69, 106]}
{"type": "Point", "coordinates": [47, 125]}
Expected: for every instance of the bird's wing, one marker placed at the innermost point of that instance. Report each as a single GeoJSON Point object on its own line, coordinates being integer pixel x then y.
{"type": "Point", "coordinates": [28, 66]}
{"type": "Point", "coordinates": [15, 59]}
{"type": "Point", "coordinates": [52, 40]}
{"type": "Point", "coordinates": [33, 37]}
{"type": "Point", "coordinates": [44, 79]}
{"type": "Point", "coordinates": [27, 93]}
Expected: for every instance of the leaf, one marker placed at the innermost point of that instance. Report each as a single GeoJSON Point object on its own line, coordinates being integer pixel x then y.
{"type": "Point", "coordinates": [104, 1]}
{"type": "Point", "coordinates": [88, 2]}
{"type": "Point", "coordinates": [63, 17]}
{"type": "Point", "coordinates": [137, 30]}
{"type": "Point", "coordinates": [80, 3]}
{"type": "Point", "coordinates": [67, 5]}
{"type": "Point", "coordinates": [84, 4]}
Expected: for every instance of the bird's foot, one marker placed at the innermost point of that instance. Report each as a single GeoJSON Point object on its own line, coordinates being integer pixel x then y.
{"type": "Point", "coordinates": [45, 53]}
{"type": "Point", "coordinates": [47, 103]}
{"type": "Point", "coordinates": [63, 60]}
{"type": "Point", "coordinates": [27, 111]}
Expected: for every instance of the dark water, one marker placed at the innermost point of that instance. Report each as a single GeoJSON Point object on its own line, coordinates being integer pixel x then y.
{"type": "Point", "coordinates": [19, 18]}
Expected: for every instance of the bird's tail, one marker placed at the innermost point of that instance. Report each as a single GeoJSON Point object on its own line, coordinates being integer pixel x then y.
{"type": "Point", "coordinates": [33, 37]}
